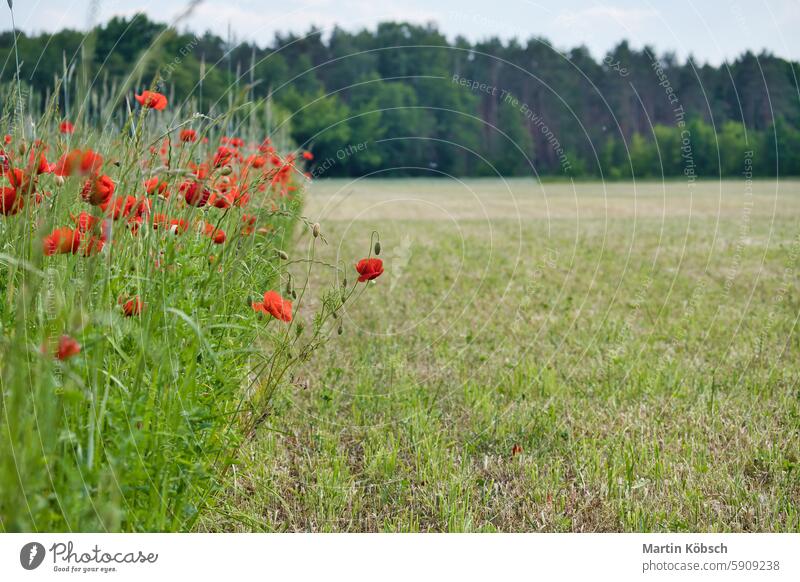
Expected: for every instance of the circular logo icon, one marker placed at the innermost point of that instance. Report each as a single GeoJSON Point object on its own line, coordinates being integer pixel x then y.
{"type": "Point", "coordinates": [31, 555]}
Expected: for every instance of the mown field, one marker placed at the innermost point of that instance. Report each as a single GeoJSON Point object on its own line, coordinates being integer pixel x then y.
{"type": "Point", "coordinates": [545, 358]}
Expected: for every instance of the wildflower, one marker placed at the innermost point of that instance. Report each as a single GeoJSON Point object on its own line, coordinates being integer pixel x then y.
{"type": "Point", "coordinates": [256, 162]}
{"type": "Point", "coordinates": [66, 127]}
{"type": "Point", "coordinates": [10, 202]}
{"type": "Point", "coordinates": [216, 234]}
{"type": "Point", "coordinates": [275, 305]}
{"type": "Point", "coordinates": [85, 222]}
{"type": "Point", "coordinates": [132, 307]}
{"type": "Point", "coordinates": [22, 182]}
{"type": "Point", "coordinates": [118, 206]}
{"type": "Point", "coordinates": [98, 190]}
{"type": "Point", "coordinates": [41, 164]}
{"type": "Point", "coordinates": [152, 100]}
{"type": "Point", "coordinates": [308, 156]}
{"type": "Point", "coordinates": [154, 185]}
{"type": "Point", "coordinates": [79, 162]}
{"type": "Point", "coordinates": [194, 194]}
{"type": "Point", "coordinates": [176, 226]}
{"type": "Point", "coordinates": [516, 450]}
{"type": "Point", "coordinates": [369, 269]}
{"type": "Point", "coordinates": [188, 135]}
{"type": "Point", "coordinates": [67, 348]}
{"type": "Point", "coordinates": [62, 241]}
{"type": "Point", "coordinates": [222, 157]}
{"type": "Point", "coordinates": [94, 246]}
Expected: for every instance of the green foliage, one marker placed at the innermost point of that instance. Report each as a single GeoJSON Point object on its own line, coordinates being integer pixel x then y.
{"type": "Point", "coordinates": [393, 88]}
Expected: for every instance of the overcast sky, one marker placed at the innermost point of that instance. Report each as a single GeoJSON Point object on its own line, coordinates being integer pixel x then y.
{"type": "Point", "coordinates": [712, 30]}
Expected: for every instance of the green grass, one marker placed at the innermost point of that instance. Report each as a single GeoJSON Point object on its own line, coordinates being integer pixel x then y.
{"type": "Point", "coordinates": [136, 431]}
{"type": "Point", "coordinates": [640, 347]}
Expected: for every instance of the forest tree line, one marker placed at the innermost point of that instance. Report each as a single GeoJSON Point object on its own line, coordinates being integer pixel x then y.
{"type": "Point", "coordinates": [405, 97]}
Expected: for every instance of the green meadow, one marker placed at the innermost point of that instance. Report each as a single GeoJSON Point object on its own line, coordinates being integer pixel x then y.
{"type": "Point", "coordinates": [543, 357]}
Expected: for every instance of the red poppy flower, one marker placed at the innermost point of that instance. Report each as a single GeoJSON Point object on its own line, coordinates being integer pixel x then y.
{"type": "Point", "coordinates": [94, 246]}
{"type": "Point", "coordinates": [78, 162]}
{"type": "Point", "coordinates": [152, 100]}
{"type": "Point", "coordinates": [7, 139]}
{"type": "Point", "coordinates": [118, 206]}
{"type": "Point", "coordinates": [41, 165]}
{"type": "Point", "coordinates": [85, 221]}
{"type": "Point", "coordinates": [22, 182]}
{"type": "Point", "coordinates": [62, 241]}
{"type": "Point", "coordinates": [66, 127]}
{"type": "Point", "coordinates": [200, 170]}
{"type": "Point", "coordinates": [194, 194]}
{"type": "Point", "coordinates": [216, 234]}
{"type": "Point", "coordinates": [308, 156]}
{"type": "Point", "coordinates": [275, 305]}
{"type": "Point", "coordinates": [188, 135]}
{"type": "Point", "coordinates": [10, 202]}
{"type": "Point", "coordinates": [155, 186]}
{"type": "Point", "coordinates": [369, 269]}
{"type": "Point", "coordinates": [98, 190]}
{"type": "Point", "coordinates": [132, 307]}
{"type": "Point", "coordinates": [220, 200]}
{"type": "Point", "coordinates": [222, 157]}
{"type": "Point", "coordinates": [67, 348]}
{"type": "Point", "coordinates": [256, 161]}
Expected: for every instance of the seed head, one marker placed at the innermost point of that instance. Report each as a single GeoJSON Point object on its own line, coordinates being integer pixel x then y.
{"type": "Point", "coordinates": [315, 229]}
{"type": "Point", "coordinates": [59, 181]}
{"type": "Point", "coordinates": [226, 171]}
{"type": "Point", "coordinates": [283, 255]}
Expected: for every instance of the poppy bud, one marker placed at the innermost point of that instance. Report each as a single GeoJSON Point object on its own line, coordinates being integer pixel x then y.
{"type": "Point", "coordinates": [59, 181]}
{"type": "Point", "coordinates": [294, 294]}
{"type": "Point", "coordinates": [377, 248]}
{"type": "Point", "coordinates": [315, 229]}
{"type": "Point", "coordinates": [226, 171]}
{"type": "Point", "coordinates": [283, 255]}
{"type": "Point", "coordinates": [22, 148]}
{"type": "Point", "coordinates": [344, 282]}
{"type": "Point", "coordinates": [340, 330]}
